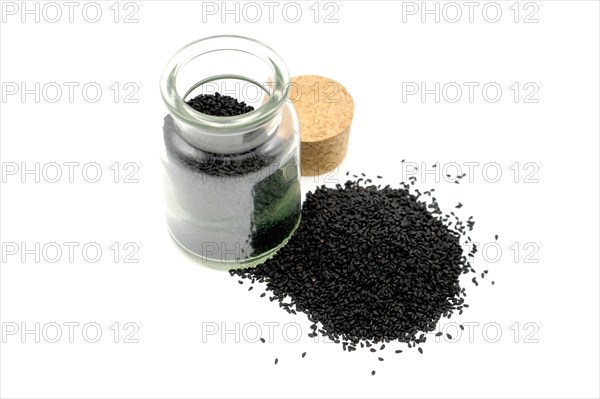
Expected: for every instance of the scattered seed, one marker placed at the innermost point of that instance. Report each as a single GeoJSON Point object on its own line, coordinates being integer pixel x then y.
{"type": "Point", "coordinates": [421, 350]}
{"type": "Point", "coordinates": [373, 372]}
{"type": "Point", "coordinates": [303, 354]}
{"type": "Point", "coordinates": [276, 360]}
{"type": "Point", "coordinates": [380, 359]}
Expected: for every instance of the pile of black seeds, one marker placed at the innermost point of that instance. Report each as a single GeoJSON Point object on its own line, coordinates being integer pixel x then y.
{"type": "Point", "coordinates": [218, 105]}
{"type": "Point", "coordinates": [370, 264]}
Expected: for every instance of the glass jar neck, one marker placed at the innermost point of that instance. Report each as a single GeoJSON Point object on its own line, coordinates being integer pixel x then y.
{"type": "Point", "coordinates": [216, 62]}
{"type": "Point", "coordinates": [212, 139]}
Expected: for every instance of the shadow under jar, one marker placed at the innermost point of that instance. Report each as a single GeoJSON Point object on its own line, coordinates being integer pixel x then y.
{"type": "Point", "coordinates": [231, 183]}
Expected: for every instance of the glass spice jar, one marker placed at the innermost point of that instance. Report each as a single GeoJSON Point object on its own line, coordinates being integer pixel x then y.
{"type": "Point", "coordinates": [231, 183]}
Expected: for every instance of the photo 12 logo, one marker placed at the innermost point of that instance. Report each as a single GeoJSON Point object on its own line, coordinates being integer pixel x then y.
{"type": "Point", "coordinates": [53, 12]}
{"type": "Point", "coordinates": [493, 252]}
{"type": "Point", "coordinates": [68, 252]}
{"type": "Point", "coordinates": [470, 172]}
{"type": "Point", "coordinates": [68, 172]}
{"type": "Point", "coordinates": [452, 12]}
{"type": "Point", "coordinates": [470, 92]}
{"type": "Point", "coordinates": [270, 11]}
{"type": "Point", "coordinates": [490, 332]}
{"type": "Point", "coordinates": [69, 332]}
{"type": "Point", "coordinates": [69, 92]}
{"type": "Point", "coordinates": [292, 332]}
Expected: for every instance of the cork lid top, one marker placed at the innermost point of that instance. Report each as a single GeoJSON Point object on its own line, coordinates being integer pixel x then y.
{"type": "Point", "coordinates": [324, 107]}
{"type": "Point", "coordinates": [325, 110]}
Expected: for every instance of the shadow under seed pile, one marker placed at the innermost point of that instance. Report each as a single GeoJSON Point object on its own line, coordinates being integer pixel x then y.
{"type": "Point", "coordinates": [369, 264]}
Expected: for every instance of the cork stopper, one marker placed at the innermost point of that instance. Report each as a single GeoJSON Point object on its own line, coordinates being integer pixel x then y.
{"type": "Point", "coordinates": [325, 109]}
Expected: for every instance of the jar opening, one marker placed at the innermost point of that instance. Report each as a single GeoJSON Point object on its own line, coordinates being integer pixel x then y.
{"type": "Point", "coordinates": [231, 65]}
{"type": "Point", "coordinates": [251, 93]}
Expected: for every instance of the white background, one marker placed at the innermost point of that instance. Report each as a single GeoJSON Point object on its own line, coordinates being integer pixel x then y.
{"type": "Point", "coordinates": [372, 51]}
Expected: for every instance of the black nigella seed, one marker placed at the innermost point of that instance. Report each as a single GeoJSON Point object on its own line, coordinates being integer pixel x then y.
{"type": "Point", "coordinates": [496, 236]}
{"type": "Point", "coordinates": [449, 336]}
{"type": "Point", "coordinates": [251, 287]}
{"type": "Point", "coordinates": [262, 340]}
{"type": "Point", "coordinates": [303, 354]}
{"type": "Point", "coordinates": [438, 334]}
{"type": "Point", "coordinates": [370, 265]}
{"type": "Point", "coordinates": [276, 360]}
{"type": "Point", "coordinates": [382, 347]}
{"type": "Point", "coordinates": [398, 351]}
{"type": "Point", "coordinates": [262, 295]}
{"type": "Point", "coordinates": [218, 105]}
{"type": "Point", "coordinates": [373, 372]}
{"type": "Point", "coordinates": [380, 359]}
